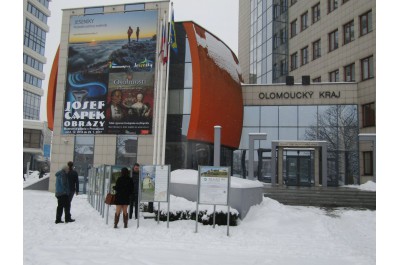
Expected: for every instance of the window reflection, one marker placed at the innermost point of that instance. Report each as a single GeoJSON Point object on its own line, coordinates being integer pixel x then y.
{"type": "Point", "coordinates": [126, 153]}
{"type": "Point", "coordinates": [287, 133]}
{"type": "Point", "coordinates": [187, 101]}
{"type": "Point", "coordinates": [269, 116]}
{"type": "Point", "coordinates": [188, 57]}
{"type": "Point", "coordinates": [251, 116]}
{"type": "Point", "coordinates": [287, 115]}
{"type": "Point", "coordinates": [307, 115]}
{"type": "Point", "coordinates": [188, 78]}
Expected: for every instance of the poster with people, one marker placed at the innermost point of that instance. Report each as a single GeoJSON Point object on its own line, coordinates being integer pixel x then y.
{"type": "Point", "coordinates": [110, 73]}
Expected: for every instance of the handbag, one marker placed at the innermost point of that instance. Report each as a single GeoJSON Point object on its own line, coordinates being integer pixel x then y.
{"type": "Point", "coordinates": [110, 199]}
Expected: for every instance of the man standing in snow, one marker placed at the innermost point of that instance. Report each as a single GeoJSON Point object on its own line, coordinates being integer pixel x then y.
{"type": "Point", "coordinates": [134, 197]}
{"type": "Point", "coordinates": [62, 195]}
{"type": "Point", "coordinates": [73, 183]}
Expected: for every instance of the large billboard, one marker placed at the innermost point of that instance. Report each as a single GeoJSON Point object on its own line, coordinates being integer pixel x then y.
{"type": "Point", "coordinates": [110, 73]}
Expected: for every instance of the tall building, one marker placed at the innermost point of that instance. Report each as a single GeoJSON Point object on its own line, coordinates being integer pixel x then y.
{"type": "Point", "coordinates": [319, 41]}
{"type": "Point", "coordinates": [36, 13]}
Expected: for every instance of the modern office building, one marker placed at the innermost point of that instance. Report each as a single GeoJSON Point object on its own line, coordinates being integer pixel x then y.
{"type": "Point", "coordinates": [35, 132]}
{"type": "Point", "coordinates": [205, 89]}
{"type": "Point", "coordinates": [317, 42]}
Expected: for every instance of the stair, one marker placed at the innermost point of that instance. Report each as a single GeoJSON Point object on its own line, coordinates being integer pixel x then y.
{"type": "Point", "coordinates": [329, 197]}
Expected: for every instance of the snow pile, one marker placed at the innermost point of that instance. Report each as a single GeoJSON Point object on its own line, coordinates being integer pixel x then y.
{"type": "Point", "coordinates": [221, 54]}
{"type": "Point", "coordinates": [368, 186]}
{"type": "Point", "coordinates": [190, 176]}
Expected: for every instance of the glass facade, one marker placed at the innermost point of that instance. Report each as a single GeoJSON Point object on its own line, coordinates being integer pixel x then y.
{"type": "Point", "coordinates": [179, 152]}
{"type": "Point", "coordinates": [31, 106]}
{"type": "Point", "coordinates": [34, 40]}
{"type": "Point", "coordinates": [336, 124]}
{"type": "Point", "coordinates": [268, 41]}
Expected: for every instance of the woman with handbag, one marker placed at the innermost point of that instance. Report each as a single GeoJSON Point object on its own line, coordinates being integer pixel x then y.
{"type": "Point", "coordinates": [124, 189]}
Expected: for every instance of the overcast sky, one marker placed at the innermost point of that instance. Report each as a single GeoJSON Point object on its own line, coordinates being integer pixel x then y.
{"type": "Point", "coordinates": [219, 17]}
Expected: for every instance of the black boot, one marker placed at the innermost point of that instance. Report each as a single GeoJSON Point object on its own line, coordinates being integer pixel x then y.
{"type": "Point", "coordinates": [125, 216]}
{"type": "Point", "coordinates": [116, 220]}
{"type": "Point", "coordinates": [59, 221]}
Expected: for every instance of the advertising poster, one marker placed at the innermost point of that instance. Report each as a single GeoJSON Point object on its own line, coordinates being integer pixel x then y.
{"type": "Point", "coordinates": [130, 103]}
{"type": "Point", "coordinates": [110, 73]}
{"type": "Point", "coordinates": [213, 185]}
{"type": "Point", "coordinates": [154, 183]}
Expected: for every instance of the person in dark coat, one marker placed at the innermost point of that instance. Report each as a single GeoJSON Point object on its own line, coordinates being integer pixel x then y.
{"type": "Point", "coordinates": [73, 182]}
{"type": "Point", "coordinates": [62, 195]}
{"type": "Point", "coordinates": [134, 197]}
{"type": "Point", "coordinates": [124, 189]}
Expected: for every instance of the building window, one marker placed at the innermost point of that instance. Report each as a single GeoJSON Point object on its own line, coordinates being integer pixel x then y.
{"type": "Point", "coordinates": [293, 26]}
{"type": "Point", "coordinates": [35, 37]}
{"type": "Point", "coordinates": [45, 3]}
{"type": "Point", "coordinates": [126, 153]}
{"type": "Point", "coordinates": [33, 138]}
{"type": "Point", "coordinates": [332, 5]}
{"type": "Point", "coordinates": [83, 152]}
{"type": "Point", "coordinates": [304, 55]}
{"type": "Point", "coordinates": [317, 80]}
{"type": "Point", "coordinates": [283, 36]}
{"type": "Point", "coordinates": [31, 106]}
{"type": "Point", "coordinates": [37, 13]}
{"type": "Point", "coordinates": [293, 61]}
{"type": "Point", "coordinates": [275, 71]}
{"type": "Point", "coordinates": [348, 32]}
{"type": "Point", "coordinates": [94, 10]}
{"type": "Point", "coordinates": [283, 67]}
{"type": "Point", "coordinates": [28, 60]}
{"type": "Point", "coordinates": [283, 4]}
{"type": "Point", "coordinates": [134, 7]}
{"type": "Point", "coordinates": [334, 76]}
{"type": "Point", "coordinates": [275, 41]}
{"type": "Point", "coordinates": [316, 14]}
{"type": "Point", "coordinates": [368, 163]}
{"type": "Point", "coordinates": [277, 11]}
{"type": "Point", "coordinates": [349, 73]}
{"type": "Point", "coordinates": [333, 40]}
{"type": "Point", "coordinates": [316, 49]}
{"type": "Point", "coordinates": [33, 80]}
{"type": "Point", "coordinates": [304, 19]}
{"type": "Point", "coordinates": [366, 23]}
{"type": "Point", "coordinates": [367, 68]}
{"type": "Point", "coordinates": [368, 114]}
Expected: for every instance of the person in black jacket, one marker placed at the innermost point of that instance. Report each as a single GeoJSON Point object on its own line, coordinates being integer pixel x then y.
{"type": "Point", "coordinates": [124, 189]}
{"type": "Point", "coordinates": [73, 182]}
{"type": "Point", "coordinates": [134, 197]}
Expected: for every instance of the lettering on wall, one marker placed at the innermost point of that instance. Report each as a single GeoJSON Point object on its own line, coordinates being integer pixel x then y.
{"type": "Point", "coordinates": [298, 95]}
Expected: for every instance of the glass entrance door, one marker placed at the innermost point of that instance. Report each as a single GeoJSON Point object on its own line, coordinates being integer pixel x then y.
{"type": "Point", "coordinates": [298, 170]}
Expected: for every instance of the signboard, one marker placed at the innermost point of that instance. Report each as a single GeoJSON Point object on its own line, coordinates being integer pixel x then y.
{"type": "Point", "coordinates": [213, 185]}
{"type": "Point", "coordinates": [110, 73]}
{"type": "Point", "coordinates": [154, 181]}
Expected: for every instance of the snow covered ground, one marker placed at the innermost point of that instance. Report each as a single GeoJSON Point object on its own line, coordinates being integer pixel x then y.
{"type": "Point", "coordinates": [271, 233]}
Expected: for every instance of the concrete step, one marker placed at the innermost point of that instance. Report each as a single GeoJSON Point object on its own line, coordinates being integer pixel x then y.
{"type": "Point", "coordinates": [322, 196]}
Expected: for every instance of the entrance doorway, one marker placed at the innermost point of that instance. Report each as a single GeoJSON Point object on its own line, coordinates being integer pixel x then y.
{"type": "Point", "coordinates": [299, 170]}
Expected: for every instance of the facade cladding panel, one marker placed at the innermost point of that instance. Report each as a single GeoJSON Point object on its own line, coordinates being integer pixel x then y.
{"type": "Point", "coordinates": [217, 97]}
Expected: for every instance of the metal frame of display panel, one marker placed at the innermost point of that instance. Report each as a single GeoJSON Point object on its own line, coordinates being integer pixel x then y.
{"type": "Point", "coordinates": [157, 177]}
{"type": "Point", "coordinates": [213, 191]}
